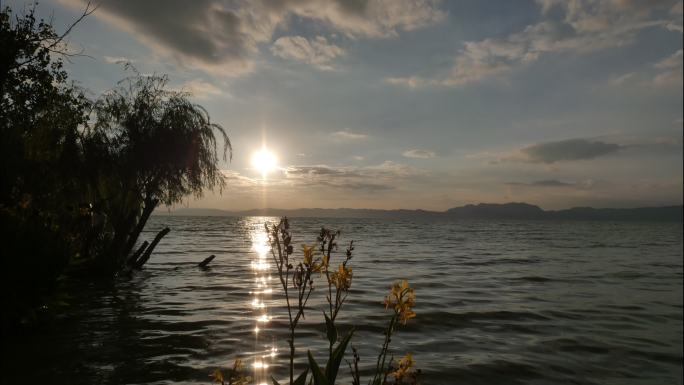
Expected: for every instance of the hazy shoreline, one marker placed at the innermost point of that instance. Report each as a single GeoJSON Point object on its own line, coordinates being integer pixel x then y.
{"type": "Point", "coordinates": [479, 211]}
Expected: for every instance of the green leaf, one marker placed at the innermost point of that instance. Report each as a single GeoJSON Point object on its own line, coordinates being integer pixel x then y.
{"type": "Point", "coordinates": [318, 376]}
{"type": "Point", "coordinates": [301, 380]}
{"type": "Point", "coordinates": [275, 382]}
{"type": "Point", "coordinates": [334, 364]}
{"type": "Point", "coordinates": [330, 329]}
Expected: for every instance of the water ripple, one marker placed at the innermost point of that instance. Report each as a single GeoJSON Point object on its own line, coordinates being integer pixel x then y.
{"type": "Point", "coordinates": [505, 302]}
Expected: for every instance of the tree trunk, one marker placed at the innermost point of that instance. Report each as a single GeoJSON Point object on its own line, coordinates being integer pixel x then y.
{"type": "Point", "coordinates": [121, 229]}
{"type": "Point", "coordinates": [131, 260]}
{"type": "Point", "coordinates": [146, 255]}
{"type": "Point", "coordinates": [150, 205]}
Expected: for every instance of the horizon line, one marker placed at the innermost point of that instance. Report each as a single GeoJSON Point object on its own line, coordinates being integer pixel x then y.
{"type": "Point", "coordinates": [680, 204]}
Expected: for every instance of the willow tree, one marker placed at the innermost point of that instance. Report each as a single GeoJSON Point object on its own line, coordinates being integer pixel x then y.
{"type": "Point", "coordinates": [148, 145]}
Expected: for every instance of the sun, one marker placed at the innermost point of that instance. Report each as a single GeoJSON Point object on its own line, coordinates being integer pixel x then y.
{"type": "Point", "coordinates": [264, 161]}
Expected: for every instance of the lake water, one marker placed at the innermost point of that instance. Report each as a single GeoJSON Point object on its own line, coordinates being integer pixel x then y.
{"type": "Point", "coordinates": [498, 302]}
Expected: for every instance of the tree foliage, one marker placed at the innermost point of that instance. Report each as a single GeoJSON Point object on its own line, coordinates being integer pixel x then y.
{"type": "Point", "coordinates": [81, 177]}
{"type": "Point", "coordinates": [39, 109]}
{"type": "Point", "coordinates": [40, 112]}
{"type": "Point", "coordinates": [148, 144]}
{"type": "Point", "coordinates": [161, 144]}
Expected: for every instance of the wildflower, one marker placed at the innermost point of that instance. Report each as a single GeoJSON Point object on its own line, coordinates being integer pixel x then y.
{"type": "Point", "coordinates": [401, 299]}
{"type": "Point", "coordinates": [403, 368]}
{"type": "Point", "coordinates": [241, 380]}
{"type": "Point", "coordinates": [342, 278]}
{"type": "Point", "coordinates": [308, 254]}
{"type": "Point", "coordinates": [217, 376]}
{"type": "Point", "coordinates": [235, 377]}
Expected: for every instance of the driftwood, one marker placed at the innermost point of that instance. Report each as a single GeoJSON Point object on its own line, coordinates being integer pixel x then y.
{"type": "Point", "coordinates": [206, 261]}
{"type": "Point", "coordinates": [134, 257]}
{"type": "Point", "coordinates": [148, 252]}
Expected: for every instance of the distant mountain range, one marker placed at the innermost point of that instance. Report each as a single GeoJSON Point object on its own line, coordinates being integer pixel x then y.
{"type": "Point", "coordinates": [479, 211]}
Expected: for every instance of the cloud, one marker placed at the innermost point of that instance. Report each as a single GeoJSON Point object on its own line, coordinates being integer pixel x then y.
{"type": "Point", "coordinates": [319, 171]}
{"type": "Point", "coordinates": [371, 18]}
{"type": "Point", "coordinates": [542, 183]}
{"type": "Point", "coordinates": [411, 81]}
{"type": "Point", "coordinates": [224, 37]}
{"type": "Point", "coordinates": [671, 71]}
{"type": "Point", "coordinates": [622, 79]}
{"type": "Point", "coordinates": [586, 26]}
{"type": "Point", "coordinates": [676, 24]}
{"type": "Point", "coordinates": [667, 73]}
{"type": "Point", "coordinates": [392, 170]}
{"type": "Point", "coordinates": [116, 59]}
{"type": "Point", "coordinates": [347, 135]}
{"type": "Point", "coordinates": [566, 150]}
{"type": "Point", "coordinates": [237, 181]}
{"type": "Point", "coordinates": [316, 52]}
{"type": "Point", "coordinates": [569, 150]}
{"type": "Point", "coordinates": [385, 176]}
{"type": "Point", "coordinates": [202, 33]}
{"type": "Point", "coordinates": [419, 154]}
{"type": "Point", "coordinates": [357, 186]}
{"type": "Point", "coordinates": [331, 177]}
{"type": "Point", "coordinates": [674, 61]}
{"type": "Point", "coordinates": [201, 89]}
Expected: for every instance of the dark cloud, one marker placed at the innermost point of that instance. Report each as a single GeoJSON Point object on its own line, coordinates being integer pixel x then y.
{"type": "Point", "coordinates": [200, 32]}
{"type": "Point", "coordinates": [223, 37]}
{"type": "Point", "coordinates": [353, 7]}
{"type": "Point", "coordinates": [565, 150]}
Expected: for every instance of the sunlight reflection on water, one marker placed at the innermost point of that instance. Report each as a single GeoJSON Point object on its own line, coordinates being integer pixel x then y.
{"type": "Point", "coordinates": [264, 354]}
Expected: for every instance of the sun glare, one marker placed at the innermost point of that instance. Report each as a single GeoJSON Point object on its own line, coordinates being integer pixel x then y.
{"type": "Point", "coordinates": [264, 161]}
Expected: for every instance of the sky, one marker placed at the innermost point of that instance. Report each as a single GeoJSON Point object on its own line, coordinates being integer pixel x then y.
{"type": "Point", "coordinates": [413, 103]}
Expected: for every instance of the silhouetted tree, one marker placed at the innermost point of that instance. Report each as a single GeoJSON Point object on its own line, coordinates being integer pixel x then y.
{"type": "Point", "coordinates": [39, 109]}
{"type": "Point", "coordinates": [159, 148]}
{"type": "Point", "coordinates": [80, 178]}
{"type": "Point", "coordinates": [40, 112]}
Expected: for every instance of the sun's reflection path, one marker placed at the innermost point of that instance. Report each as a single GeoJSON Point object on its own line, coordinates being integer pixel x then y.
{"type": "Point", "coordinates": [265, 353]}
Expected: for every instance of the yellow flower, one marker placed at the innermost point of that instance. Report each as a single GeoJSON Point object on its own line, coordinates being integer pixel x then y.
{"type": "Point", "coordinates": [401, 299]}
{"type": "Point", "coordinates": [308, 254]}
{"type": "Point", "coordinates": [235, 377]}
{"type": "Point", "coordinates": [404, 367]}
{"type": "Point", "coordinates": [406, 361]}
{"type": "Point", "coordinates": [342, 277]}
{"type": "Point", "coordinates": [217, 376]}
